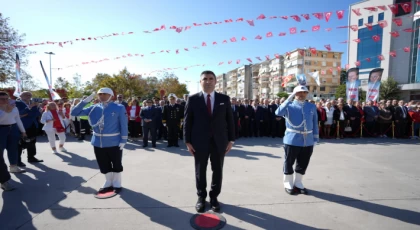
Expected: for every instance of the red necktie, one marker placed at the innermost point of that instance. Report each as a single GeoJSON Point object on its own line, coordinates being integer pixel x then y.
{"type": "Point", "coordinates": [208, 104]}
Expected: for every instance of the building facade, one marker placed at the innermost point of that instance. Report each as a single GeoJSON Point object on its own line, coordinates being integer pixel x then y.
{"type": "Point", "coordinates": [221, 84]}
{"type": "Point", "coordinates": [404, 68]}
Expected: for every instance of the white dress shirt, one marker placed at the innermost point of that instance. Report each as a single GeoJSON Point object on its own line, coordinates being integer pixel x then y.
{"type": "Point", "coordinates": [211, 100]}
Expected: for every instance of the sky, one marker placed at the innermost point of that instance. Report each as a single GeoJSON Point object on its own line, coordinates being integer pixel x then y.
{"type": "Point", "coordinates": [46, 20]}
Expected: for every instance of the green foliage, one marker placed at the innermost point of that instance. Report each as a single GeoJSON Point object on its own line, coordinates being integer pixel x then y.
{"type": "Point", "coordinates": [343, 76]}
{"type": "Point", "coordinates": [389, 89]}
{"type": "Point", "coordinates": [340, 91]}
{"type": "Point", "coordinates": [40, 93]}
{"type": "Point", "coordinates": [282, 94]}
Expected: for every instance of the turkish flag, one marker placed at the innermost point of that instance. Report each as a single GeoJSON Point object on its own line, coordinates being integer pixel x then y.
{"type": "Point", "coordinates": [313, 50]}
{"type": "Point", "coordinates": [393, 8]}
{"type": "Point", "coordinates": [339, 68]}
{"type": "Point", "coordinates": [177, 51]}
{"type": "Point", "coordinates": [397, 21]}
{"type": "Point", "coordinates": [356, 11]}
{"type": "Point", "coordinates": [406, 7]}
{"type": "Point", "coordinates": [323, 72]}
{"type": "Point", "coordinates": [297, 18]}
{"type": "Point", "coordinates": [250, 22]}
{"type": "Point", "coordinates": [187, 27]}
{"type": "Point", "coordinates": [258, 58]}
{"type": "Point", "coordinates": [267, 57]}
{"type": "Point", "coordinates": [320, 16]}
{"type": "Point", "coordinates": [371, 9]}
{"type": "Point", "coordinates": [224, 41]}
{"type": "Point", "coordinates": [328, 47]}
{"type": "Point", "coordinates": [395, 34]}
{"type": "Point", "coordinates": [258, 37]}
{"type": "Point", "coordinates": [288, 54]}
{"type": "Point", "coordinates": [284, 17]}
{"type": "Point", "coordinates": [277, 56]}
{"type": "Point", "coordinates": [186, 49]}
{"type": "Point", "coordinates": [381, 57]}
{"type": "Point", "coordinates": [228, 20]}
{"type": "Point", "coordinates": [367, 59]}
{"type": "Point", "coordinates": [303, 31]}
{"type": "Point", "coordinates": [269, 34]}
{"type": "Point", "coordinates": [207, 23]}
{"type": "Point", "coordinates": [376, 38]}
{"type": "Point", "coordinates": [203, 44]}
{"type": "Point", "coordinates": [369, 26]}
{"type": "Point", "coordinates": [292, 30]}
{"type": "Point", "coordinates": [357, 63]}
{"type": "Point", "coordinates": [262, 16]}
{"type": "Point", "coordinates": [179, 29]}
{"type": "Point", "coordinates": [282, 34]}
{"type": "Point", "coordinates": [316, 28]}
{"type": "Point", "coordinates": [220, 63]}
{"type": "Point", "coordinates": [382, 8]}
{"type": "Point", "coordinates": [233, 39]}
{"type": "Point", "coordinates": [406, 49]}
{"type": "Point", "coordinates": [243, 39]}
{"type": "Point", "coordinates": [239, 20]}
{"type": "Point", "coordinates": [408, 30]}
{"type": "Point", "coordinates": [306, 16]}
{"type": "Point", "coordinates": [214, 43]}
{"type": "Point", "coordinates": [249, 59]}
{"type": "Point", "coordinates": [340, 14]}
{"type": "Point", "coordinates": [328, 29]}
{"type": "Point", "coordinates": [357, 40]}
{"type": "Point", "coordinates": [272, 17]}
{"type": "Point", "coordinates": [328, 16]}
{"type": "Point", "coordinates": [196, 24]}
{"type": "Point", "coordinates": [383, 23]}
{"type": "Point", "coordinates": [172, 27]}
{"type": "Point", "coordinates": [229, 62]}
{"type": "Point", "coordinates": [393, 54]}
{"type": "Point", "coordinates": [238, 61]}
{"type": "Point", "coordinates": [301, 52]}
{"type": "Point", "coordinates": [354, 27]}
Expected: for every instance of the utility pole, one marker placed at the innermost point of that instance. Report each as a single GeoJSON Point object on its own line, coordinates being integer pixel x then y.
{"type": "Point", "coordinates": [50, 53]}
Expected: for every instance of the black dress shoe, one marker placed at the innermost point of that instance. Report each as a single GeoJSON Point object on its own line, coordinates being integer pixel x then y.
{"type": "Point", "coordinates": [21, 164]}
{"type": "Point", "coordinates": [200, 205]}
{"type": "Point", "coordinates": [215, 205]}
{"type": "Point", "coordinates": [290, 191]}
{"type": "Point", "coordinates": [154, 146]}
{"type": "Point", "coordinates": [176, 145]}
{"type": "Point", "coordinates": [300, 190]}
{"type": "Point", "coordinates": [169, 146]}
{"type": "Point", "coordinates": [117, 190]}
{"type": "Point", "coordinates": [34, 160]}
{"type": "Point", "coordinates": [144, 146]}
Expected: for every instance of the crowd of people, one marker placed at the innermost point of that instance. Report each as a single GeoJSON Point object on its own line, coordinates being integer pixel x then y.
{"type": "Point", "coordinates": [155, 119]}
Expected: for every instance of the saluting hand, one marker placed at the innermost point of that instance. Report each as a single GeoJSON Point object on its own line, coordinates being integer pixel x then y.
{"type": "Point", "coordinates": [190, 148]}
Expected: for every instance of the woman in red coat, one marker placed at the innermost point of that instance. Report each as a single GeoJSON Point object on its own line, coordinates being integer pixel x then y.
{"type": "Point", "coordinates": [133, 112]}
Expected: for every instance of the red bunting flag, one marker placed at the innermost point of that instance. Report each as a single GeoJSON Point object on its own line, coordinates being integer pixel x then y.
{"type": "Point", "coordinates": [288, 53]}
{"type": "Point", "coordinates": [258, 58]}
{"type": "Point", "coordinates": [228, 20]}
{"type": "Point", "coordinates": [172, 27]}
{"type": "Point", "coordinates": [406, 49]}
{"type": "Point", "coordinates": [340, 14]}
{"type": "Point", "coordinates": [267, 57]}
{"type": "Point", "coordinates": [395, 34]}
{"type": "Point", "coordinates": [224, 42]}
{"type": "Point", "coordinates": [238, 61]}
{"type": "Point", "coordinates": [382, 8]}
{"type": "Point", "coordinates": [282, 34]}
{"type": "Point", "coordinates": [203, 44]}
{"type": "Point", "coordinates": [328, 16]}
{"type": "Point", "coordinates": [293, 30]}
{"type": "Point", "coordinates": [381, 57]}
{"type": "Point", "coordinates": [339, 68]}
{"type": "Point", "coordinates": [156, 29]}
{"type": "Point", "coordinates": [177, 51]}
{"type": "Point", "coordinates": [196, 24]}
{"type": "Point", "coordinates": [376, 38]}
{"type": "Point", "coordinates": [269, 34]}
{"type": "Point", "coordinates": [220, 63]}
{"type": "Point", "coordinates": [187, 27]}
{"type": "Point", "coordinates": [328, 29]}
{"type": "Point", "coordinates": [383, 23]}
{"type": "Point", "coordinates": [357, 40]}
{"type": "Point", "coordinates": [371, 9]}
{"type": "Point", "coordinates": [186, 49]}
{"type": "Point", "coordinates": [301, 52]}
{"type": "Point", "coordinates": [179, 29]}
{"type": "Point", "coordinates": [354, 27]}
{"type": "Point", "coordinates": [316, 28]}
{"type": "Point", "coordinates": [167, 51]}
{"type": "Point", "coordinates": [277, 55]}
{"type": "Point", "coordinates": [273, 17]}
{"type": "Point", "coordinates": [249, 59]}
{"type": "Point", "coordinates": [357, 11]}
{"type": "Point", "coordinates": [214, 43]}
{"type": "Point", "coordinates": [313, 50]}
{"type": "Point", "coordinates": [393, 54]}
{"type": "Point", "coordinates": [323, 72]}
{"type": "Point", "coordinates": [357, 63]}
{"type": "Point", "coordinates": [239, 20]}
{"type": "Point", "coordinates": [367, 59]}
{"type": "Point", "coordinates": [320, 16]}
{"type": "Point", "coordinates": [342, 27]}
{"type": "Point", "coordinates": [303, 31]}
{"type": "Point", "coordinates": [258, 37]}
{"type": "Point", "coordinates": [250, 22]}
{"type": "Point", "coordinates": [328, 47]}
{"type": "Point", "coordinates": [284, 17]}
{"type": "Point", "coordinates": [229, 62]}
{"type": "Point", "coordinates": [305, 16]}
{"type": "Point", "coordinates": [207, 23]}
{"type": "Point", "coordinates": [369, 26]}
{"type": "Point", "coordinates": [233, 39]}
{"type": "Point", "coordinates": [243, 39]}
{"type": "Point", "coordinates": [162, 27]}
{"type": "Point", "coordinates": [406, 7]}
{"type": "Point", "coordinates": [393, 8]}
{"type": "Point", "coordinates": [408, 30]}
{"type": "Point", "coordinates": [262, 16]}
{"type": "Point", "coordinates": [397, 21]}
{"type": "Point", "coordinates": [297, 18]}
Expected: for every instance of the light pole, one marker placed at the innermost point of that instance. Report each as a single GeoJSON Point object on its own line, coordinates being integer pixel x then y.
{"type": "Point", "coordinates": [50, 53]}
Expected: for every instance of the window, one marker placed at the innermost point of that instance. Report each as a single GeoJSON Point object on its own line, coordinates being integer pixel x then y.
{"type": "Point", "coordinates": [334, 64]}
{"type": "Point", "coordinates": [381, 16]}
{"type": "Point", "coordinates": [368, 48]}
{"type": "Point", "coordinates": [315, 63]}
{"type": "Point", "coordinates": [361, 22]}
{"type": "Point", "coordinates": [335, 56]}
{"type": "Point", "coordinates": [307, 62]}
{"type": "Point", "coordinates": [401, 12]}
{"type": "Point", "coordinates": [322, 88]}
{"type": "Point", "coordinates": [324, 55]}
{"type": "Point", "coordinates": [334, 72]}
{"type": "Point", "coordinates": [324, 63]}
{"type": "Point", "coordinates": [370, 19]}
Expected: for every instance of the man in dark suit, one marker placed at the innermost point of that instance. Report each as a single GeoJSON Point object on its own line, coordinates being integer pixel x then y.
{"type": "Point", "coordinates": [354, 116]}
{"type": "Point", "coordinates": [401, 117]}
{"type": "Point", "coordinates": [235, 111]}
{"type": "Point", "coordinates": [247, 115]}
{"type": "Point", "coordinates": [258, 122]}
{"type": "Point", "coordinates": [209, 131]}
{"type": "Point", "coordinates": [148, 116]}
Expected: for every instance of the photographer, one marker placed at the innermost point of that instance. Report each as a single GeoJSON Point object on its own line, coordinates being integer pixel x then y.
{"type": "Point", "coordinates": [29, 113]}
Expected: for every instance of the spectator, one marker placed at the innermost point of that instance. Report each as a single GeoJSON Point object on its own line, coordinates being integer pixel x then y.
{"type": "Point", "coordinates": [53, 121]}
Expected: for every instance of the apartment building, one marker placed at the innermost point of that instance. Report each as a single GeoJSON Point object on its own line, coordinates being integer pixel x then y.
{"type": "Point", "coordinates": [221, 84]}
{"type": "Point", "coordinates": [326, 62]}
{"type": "Point", "coordinates": [266, 78]}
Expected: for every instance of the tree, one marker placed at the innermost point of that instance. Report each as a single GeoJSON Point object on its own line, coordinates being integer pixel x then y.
{"type": "Point", "coordinates": [389, 89]}
{"type": "Point", "coordinates": [61, 83]}
{"type": "Point", "coordinates": [343, 76]}
{"type": "Point", "coordinates": [170, 83]}
{"type": "Point", "coordinates": [340, 91]}
{"type": "Point", "coordinates": [282, 94]}
{"type": "Point", "coordinates": [9, 46]}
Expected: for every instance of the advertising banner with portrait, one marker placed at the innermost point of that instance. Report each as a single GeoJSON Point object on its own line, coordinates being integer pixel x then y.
{"type": "Point", "coordinates": [352, 84]}
{"type": "Point", "coordinates": [374, 84]}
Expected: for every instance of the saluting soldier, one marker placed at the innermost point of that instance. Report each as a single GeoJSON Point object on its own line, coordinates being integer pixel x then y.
{"type": "Point", "coordinates": [301, 136]}
{"type": "Point", "coordinates": [172, 118]}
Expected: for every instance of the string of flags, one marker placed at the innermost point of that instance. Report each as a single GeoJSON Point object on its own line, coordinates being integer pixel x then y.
{"type": "Point", "coordinates": [407, 7]}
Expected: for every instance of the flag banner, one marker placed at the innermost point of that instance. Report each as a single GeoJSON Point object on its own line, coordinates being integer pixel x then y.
{"type": "Point", "coordinates": [301, 78]}
{"type": "Point", "coordinates": [374, 84]}
{"type": "Point", "coordinates": [352, 84]}
{"type": "Point", "coordinates": [53, 95]}
{"type": "Point", "coordinates": [315, 76]}
{"type": "Point", "coordinates": [18, 89]}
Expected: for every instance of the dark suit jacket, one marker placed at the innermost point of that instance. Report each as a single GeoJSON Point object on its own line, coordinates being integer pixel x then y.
{"type": "Point", "coordinates": [248, 111]}
{"type": "Point", "coordinates": [236, 114]}
{"type": "Point", "coordinates": [259, 114]}
{"type": "Point", "coordinates": [398, 114]}
{"type": "Point", "coordinates": [352, 112]}
{"type": "Point", "coordinates": [198, 125]}
{"type": "Point", "coordinates": [149, 114]}
{"type": "Point", "coordinates": [337, 113]}
{"type": "Point", "coordinates": [28, 116]}
{"type": "Point", "coordinates": [370, 113]}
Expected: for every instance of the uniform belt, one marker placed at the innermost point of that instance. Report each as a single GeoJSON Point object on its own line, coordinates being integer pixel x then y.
{"type": "Point", "coordinates": [7, 125]}
{"type": "Point", "coordinates": [297, 131]}
{"type": "Point", "coordinates": [106, 135]}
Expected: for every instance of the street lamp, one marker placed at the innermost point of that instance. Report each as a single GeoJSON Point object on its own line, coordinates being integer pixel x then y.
{"type": "Point", "coordinates": [50, 53]}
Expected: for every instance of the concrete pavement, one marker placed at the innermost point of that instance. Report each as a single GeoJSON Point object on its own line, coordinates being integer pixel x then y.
{"type": "Point", "coordinates": [353, 184]}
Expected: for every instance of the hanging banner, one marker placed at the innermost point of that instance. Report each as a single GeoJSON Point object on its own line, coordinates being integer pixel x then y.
{"type": "Point", "coordinates": [352, 84]}
{"type": "Point", "coordinates": [315, 76]}
{"type": "Point", "coordinates": [374, 84]}
{"type": "Point", "coordinates": [18, 89]}
{"type": "Point", "coordinates": [53, 95]}
{"type": "Point", "coordinates": [301, 78]}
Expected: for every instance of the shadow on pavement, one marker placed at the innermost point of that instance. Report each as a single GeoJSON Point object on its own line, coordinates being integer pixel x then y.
{"type": "Point", "coordinates": [367, 140]}
{"type": "Point", "coordinates": [34, 196]}
{"type": "Point", "coordinates": [407, 216]}
{"type": "Point", "coordinates": [77, 160]}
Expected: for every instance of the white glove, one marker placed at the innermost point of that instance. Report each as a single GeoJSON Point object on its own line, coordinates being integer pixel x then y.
{"type": "Point", "coordinates": [164, 125]}
{"type": "Point", "coordinates": [122, 146]}
{"type": "Point", "coordinates": [315, 143]}
{"type": "Point", "coordinates": [291, 97]}
{"type": "Point", "coordinates": [90, 98]}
